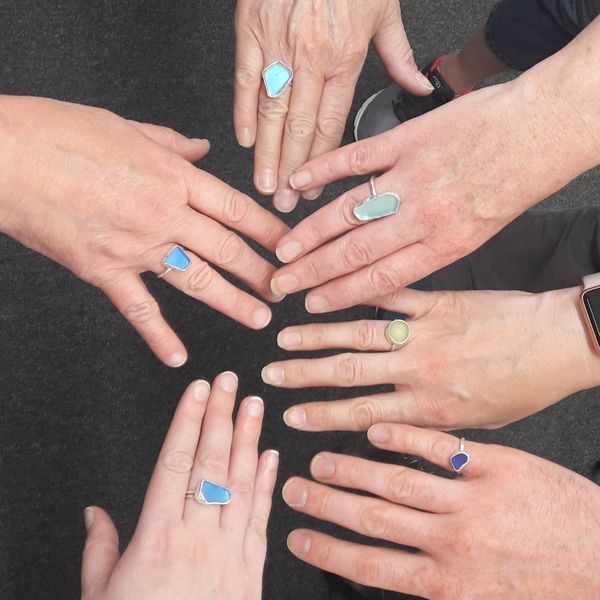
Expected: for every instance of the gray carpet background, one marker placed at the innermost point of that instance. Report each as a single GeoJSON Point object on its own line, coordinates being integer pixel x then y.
{"type": "Point", "coordinates": [84, 405]}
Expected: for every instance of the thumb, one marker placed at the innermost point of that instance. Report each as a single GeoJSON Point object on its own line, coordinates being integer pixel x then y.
{"type": "Point", "coordinates": [101, 552]}
{"type": "Point", "coordinates": [395, 53]}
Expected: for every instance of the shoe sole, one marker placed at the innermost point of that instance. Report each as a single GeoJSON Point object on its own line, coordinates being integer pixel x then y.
{"type": "Point", "coordinates": [361, 112]}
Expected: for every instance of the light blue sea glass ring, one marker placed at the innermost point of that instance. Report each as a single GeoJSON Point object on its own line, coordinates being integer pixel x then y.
{"type": "Point", "coordinates": [277, 77]}
{"type": "Point", "coordinates": [208, 492]}
{"type": "Point", "coordinates": [378, 205]}
{"type": "Point", "coordinates": [176, 259]}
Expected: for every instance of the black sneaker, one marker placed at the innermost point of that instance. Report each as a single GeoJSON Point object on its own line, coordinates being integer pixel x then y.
{"type": "Point", "coordinates": [390, 107]}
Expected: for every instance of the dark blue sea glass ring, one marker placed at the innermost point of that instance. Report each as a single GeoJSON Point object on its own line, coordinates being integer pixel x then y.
{"type": "Point", "coordinates": [208, 492]}
{"type": "Point", "coordinates": [459, 460]}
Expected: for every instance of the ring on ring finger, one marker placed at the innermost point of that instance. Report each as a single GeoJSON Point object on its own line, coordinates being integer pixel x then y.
{"type": "Point", "coordinates": [397, 333]}
{"type": "Point", "coordinates": [176, 259]}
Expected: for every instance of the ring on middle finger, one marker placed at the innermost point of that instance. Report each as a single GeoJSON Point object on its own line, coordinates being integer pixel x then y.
{"type": "Point", "coordinates": [176, 259]}
{"type": "Point", "coordinates": [397, 333]}
{"type": "Point", "coordinates": [377, 205]}
{"type": "Point", "coordinates": [277, 77]}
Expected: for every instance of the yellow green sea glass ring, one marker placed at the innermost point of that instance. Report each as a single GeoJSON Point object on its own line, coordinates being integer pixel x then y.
{"type": "Point", "coordinates": [397, 333]}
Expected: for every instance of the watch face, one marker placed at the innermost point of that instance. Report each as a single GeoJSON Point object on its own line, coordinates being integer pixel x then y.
{"type": "Point", "coordinates": [591, 303]}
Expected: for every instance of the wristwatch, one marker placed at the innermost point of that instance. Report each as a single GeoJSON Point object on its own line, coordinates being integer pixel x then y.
{"type": "Point", "coordinates": [590, 298]}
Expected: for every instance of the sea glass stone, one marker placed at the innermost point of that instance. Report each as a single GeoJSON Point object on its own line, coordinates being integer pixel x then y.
{"type": "Point", "coordinates": [378, 207]}
{"type": "Point", "coordinates": [211, 493]}
{"type": "Point", "coordinates": [459, 460]}
{"type": "Point", "coordinates": [177, 259]}
{"type": "Point", "coordinates": [398, 332]}
{"type": "Point", "coordinates": [277, 77]}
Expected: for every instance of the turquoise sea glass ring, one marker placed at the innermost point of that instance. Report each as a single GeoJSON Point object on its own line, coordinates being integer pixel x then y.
{"type": "Point", "coordinates": [377, 206]}
{"type": "Point", "coordinates": [459, 460]}
{"type": "Point", "coordinates": [208, 493]}
{"type": "Point", "coordinates": [176, 259]}
{"type": "Point", "coordinates": [277, 77]}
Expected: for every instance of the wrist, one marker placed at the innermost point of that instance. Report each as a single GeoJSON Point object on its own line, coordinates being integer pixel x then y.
{"type": "Point", "coordinates": [7, 151]}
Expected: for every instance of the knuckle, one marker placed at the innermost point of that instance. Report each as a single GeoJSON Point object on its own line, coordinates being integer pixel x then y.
{"type": "Point", "coordinates": [141, 312]}
{"type": "Point", "coordinates": [178, 461]}
{"type": "Point", "coordinates": [438, 448]}
{"type": "Point", "coordinates": [243, 486]}
{"type": "Point", "coordinates": [246, 78]}
{"type": "Point", "coordinates": [365, 335]}
{"type": "Point", "coordinates": [381, 281]}
{"type": "Point", "coordinates": [235, 207]}
{"type": "Point", "coordinates": [402, 486]}
{"type": "Point", "coordinates": [374, 522]}
{"type": "Point", "coordinates": [371, 570]}
{"type": "Point", "coordinates": [357, 255]}
{"type": "Point", "coordinates": [313, 268]}
{"type": "Point", "coordinates": [230, 250]}
{"type": "Point", "coordinates": [363, 415]}
{"type": "Point", "coordinates": [200, 278]}
{"type": "Point", "coordinates": [464, 542]}
{"type": "Point", "coordinates": [349, 369]}
{"type": "Point", "coordinates": [272, 109]}
{"type": "Point", "coordinates": [331, 128]}
{"type": "Point", "coordinates": [213, 461]}
{"type": "Point", "coordinates": [300, 127]}
{"type": "Point", "coordinates": [357, 160]}
{"type": "Point", "coordinates": [258, 526]}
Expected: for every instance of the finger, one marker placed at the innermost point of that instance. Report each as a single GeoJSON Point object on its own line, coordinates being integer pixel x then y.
{"type": "Point", "coordinates": [131, 298]}
{"type": "Point", "coordinates": [247, 82]}
{"type": "Point", "coordinates": [401, 485]}
{"type": "Point", "coordinates": [414, 303]}
{"type": "Point", "coordinates": [372, 517]}
{"type": "Point", "coordinates": [328, 222]}
{"type": "Point", "coordinates": [225, 249]}
{"type": "Point", "coordinates": [358, 414]}
{"type": "Point", "coordinates": [378, 153]}
{"type": "Point", "coordinates": [212, 457]}
{"type": "Point", "coordinates": [380, 568]}
{"type": "Point", "coordinates": [365, 336]}
{"type": "Point", "coordinates": [243, 464]}
{"type": "Point", "coordinates": [165, 498]}
{"type": "Point", "coordinates": [359, 248]}
{"type": "Point", "coordinates": [298, 134]}
{"type": "Point", "coordinates": [201, 282]}
{"type": "Point", "coordinates": [256, 534]}
{"type": "Point", "coordinates": [343, 370]}
{"type": "Point", "coordinates": [233, 209]}
{"type": "Point", "coordinates": [272, 113]}
{"type": "Point", "coordinates": [379, 279]}
{"type": "Point", "coordinates": [395, 53]}
{"type": "Point", "coordinates": [434, 446]}
{"type": "Point", "coordinates": [336, 102]}
{"type": "Point", "coordinates": [192, 149]}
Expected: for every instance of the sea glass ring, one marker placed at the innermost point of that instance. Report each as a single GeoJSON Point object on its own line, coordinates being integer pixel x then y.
{"type": "Point", "coordinates": [378, 205]}
{"type": "Point", "coordinates": [175, 259]}
{"type": "Point", "coordinates": [277, 77]}
{"type": "Point", "coordinates": [208, 493]}
{"type": "Point", "coordinates": [459, 460]}
{"type": "Point", "coordinates": [397, 333]}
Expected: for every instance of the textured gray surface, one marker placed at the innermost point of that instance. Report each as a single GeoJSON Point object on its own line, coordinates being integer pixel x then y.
{"type": "Point", "coordinates": [84, 404]}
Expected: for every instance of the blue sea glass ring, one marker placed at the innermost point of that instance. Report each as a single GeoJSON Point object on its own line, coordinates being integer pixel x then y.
{"type": "Point", "coordinates": [378, 205]}
{"type": "Point", "coordinates": [459, 460]}
{"type": "Point", "coordinates": [175, 259]}
{"type": "Point", "coordinates": [208, 493]}
{"type": "Point", "coordinates": [277, 77]}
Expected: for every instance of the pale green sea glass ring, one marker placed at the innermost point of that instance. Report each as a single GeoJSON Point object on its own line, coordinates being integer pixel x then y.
{"type": "Point", "coordinates": [397, 333]}
{"type": "Point", "coordinates": [378, 205]}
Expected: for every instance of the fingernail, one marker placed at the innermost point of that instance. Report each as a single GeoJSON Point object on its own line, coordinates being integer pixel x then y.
{"type": "Point", "coordinates": [273, 375]}
{"type": "Point", "coordinates": [301, 179]}
{"type": "Point", "coordinates": [272, 459]}
{"type": "Point", "coordinates": [88, 517]}
{"type": "Point", "coordinates": [424, 82]}
{"type": "Point", "coordinates": [289, 338]}
{"type": "Point", "coordinates": [266, 182]}
{"type": "Point", "coordinates": [228, 381]}
{"type": "Point", "coordinates": [317, 304]}
{"type": "Point", "coordinates": [298, 543]}
{"type": "Point", "coordinates": [285, 200]}
{"type": "Point", "coordinates": [312, 194]}
{"type": "Point", "coordinates": [177, 360]}
{"type": "Point", "coordinates": [255, 406]}
{"type": "Point", "coordinates": [201, 390]}
{"type": "Point", "coordinates": [284, 284]}
{"type": "Point", "coordinates": [295, 493]}
{"type": "Point", "coordinates": [322, 467]}
{"type": "Point", "coordinates": [379, 434]}
{"type": "Point", "coordinates": [295, 418]}
{"type": "Point", "coordinates": [246, 137]}
{"type": "Point", "coordinates": [289, 251]}
{"type": "Point", "coordinates": [261, 317]}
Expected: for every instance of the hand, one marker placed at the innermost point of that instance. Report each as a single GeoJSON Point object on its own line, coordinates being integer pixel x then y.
{"type": "Point", "coordinates": [473, 359]}
{"type": "Point", "coordinates": [462, 171]}
{"type": "Point", "coordinates": [108, 198]}
{"type": "Point", "coordinates": [513, 526]}
{"type": "Point", "coordinates": [182, 549]}
{"type": "Point", "coordinates": [325, 42]}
